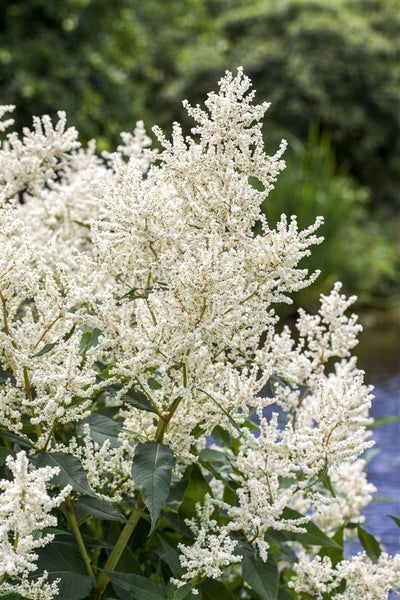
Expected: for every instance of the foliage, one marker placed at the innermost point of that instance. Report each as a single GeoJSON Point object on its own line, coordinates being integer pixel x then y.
{"type": "Point", "coordinates": [162, 436]}
{"type": "Point", "coordinates": [334, 62]}
{"type": "Point", "coordinates": [354, 244]}
{"type": "Point", "coordinates": [103, 60]}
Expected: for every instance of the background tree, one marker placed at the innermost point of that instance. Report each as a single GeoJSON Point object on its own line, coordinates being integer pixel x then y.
{"type": "Point", "coordinates": [331, 65]}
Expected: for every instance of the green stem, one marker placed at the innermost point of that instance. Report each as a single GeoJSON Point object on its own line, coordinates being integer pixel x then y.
{"type": "Point", "coordinates": [72, 522]}
{"type": "Point", "coordinates": [5, 315]}
{"type": "Point", "coordinates": [46, 331]}
{"type": "Point", "coordinates": [300, 402]}
{"type": "Point", "coordinates": [112, 561]}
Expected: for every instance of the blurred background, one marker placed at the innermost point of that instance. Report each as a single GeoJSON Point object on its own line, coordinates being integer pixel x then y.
{"type": "Point", "coordinates": [330, 68]}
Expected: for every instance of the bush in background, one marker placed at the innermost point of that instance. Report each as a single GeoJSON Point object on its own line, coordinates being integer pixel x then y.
{"type": "Point", "coordinates": [355, 249]}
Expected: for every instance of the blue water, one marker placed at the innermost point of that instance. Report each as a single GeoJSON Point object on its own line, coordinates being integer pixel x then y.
{"type": "Point", "coordinates": [379, 356]}
{"type": "Point", "coordinates": [384, 469]}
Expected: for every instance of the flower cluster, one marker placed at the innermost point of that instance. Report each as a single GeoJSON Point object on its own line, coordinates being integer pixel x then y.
{"type": "Point", "coordinates": [138, 295]}
{"type": "Point", "coordinates": [358, 575]}
{"type": "Point", "coordinates": [25, 507]}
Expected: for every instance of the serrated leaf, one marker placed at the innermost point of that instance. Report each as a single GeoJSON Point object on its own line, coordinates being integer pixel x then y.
{"type": "Point", "coordinates": [262, 577]}
{"type": "Point", "coordinates": [152, 470]}
{"type": "Point", "coordinates": [140, 587]}
{"type": "Point", "coordinates": [138, 399]}
{"type": "Point", "coordinates": [96, 507]}
{"type": "Point", "coordinates": [71, 471]}
{"type": "Point", "coordinates": [369, 543]}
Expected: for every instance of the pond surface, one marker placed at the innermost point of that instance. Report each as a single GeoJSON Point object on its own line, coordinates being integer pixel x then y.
{"type": "Point", "coordinates": [379, 357]}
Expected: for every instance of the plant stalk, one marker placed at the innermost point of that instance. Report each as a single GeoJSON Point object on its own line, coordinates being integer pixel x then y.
{"type": "Point", "coordinates": [112, 561]}
{"type": "Point", "coordinates": [72, 522]}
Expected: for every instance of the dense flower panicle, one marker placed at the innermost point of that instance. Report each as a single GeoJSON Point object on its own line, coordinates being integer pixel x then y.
{"type": "Point", "coordinates": [213, 549]}
{"type": "Point", "coordinates": [25, 510]}
{"type": "Point", "coordinates": [157, 272]}
{"type": "Point", "coordinates": [4, 124]}
{"type": "Point", "coordinates": [26, 164]}
{"type": "Point", "coordinates": [364, 578]}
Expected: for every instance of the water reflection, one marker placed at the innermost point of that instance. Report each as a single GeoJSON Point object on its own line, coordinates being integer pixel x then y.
{"type": "Point", "coordinates": [379, 356]}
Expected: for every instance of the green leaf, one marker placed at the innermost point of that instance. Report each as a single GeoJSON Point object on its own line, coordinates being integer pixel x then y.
{"type": "Point", "coordinates": [262, 577]}
{"type": "Point", "coordinates": [221, 436]}
{"type": "Point", "coordinates": [275, 381]}
{"type": "Point", "coordinates": [369, 543]}
{"type": "Point", "coordinates": [73, 586]}
{"type": "Point", "coordinates": [47, 347]}
{"type": "Point", "coordinates": [81, 224]}
{"type": "Point", "coordinates": [152, 470]}
{"type": "Point", "coordinates": [196, 489]}
{"type": "Point", "coordinates": [323, 477]}
{"type": "Point", "coordinates": [212, 590]}
{"type": "Point", "coordinates": [71, 471]}
{"type": "Point", "coordinates": [4, 452]}
{"type": "Point", "coordinates": [180, 593]}
{"type": "Point", "coordinates": [335, 554]}
{"type": "Point", "coordinates": [171, 557]}
{"type": "Point", "coordinates": [103, 428]}
{"type": "Point", "coordinates": [131, 295]}
{"type": "Point", "coordinates": [217, 462]}
{"type": "Point", "coordinates": [61, 562]}
{"type": "Point", "coordinates": [284, 594]}
{"type": "Point", "coordinates": [138, 399]}
{"type": "Point", "coordinates": [140, 587]}
{"type": "Point", "coordinates": [314, 536]}
{"type": "Point", "coordinates": [154, 384]}
{"type": "Point", "coordinates": [96, 507]}
{"type": "Point", "coordinates": [379, 421]}
{"type": "Point", "coordinates": [89, 338]}
{"type": "Point", "coordinates": [6, 375]}
{"type": "Point", "coordinates": [395, 519]}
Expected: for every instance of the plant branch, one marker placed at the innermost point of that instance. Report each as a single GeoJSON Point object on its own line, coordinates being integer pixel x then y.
{"type": "Point", "coordinates": [73, 524]}
{"type": "Point", "coordinates": [112, 561]}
